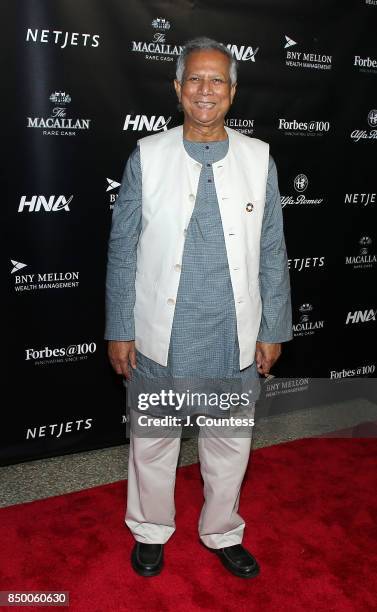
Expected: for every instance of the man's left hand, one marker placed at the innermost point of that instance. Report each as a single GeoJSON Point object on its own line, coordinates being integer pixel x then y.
{"type": "Point", "coordinates": [266, 354]}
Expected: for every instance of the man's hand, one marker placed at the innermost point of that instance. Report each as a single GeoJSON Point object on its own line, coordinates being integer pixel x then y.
{"type": "Point", "coordinates": [121, 353]}
{"type": "Point", "coordinates": [266, 354]}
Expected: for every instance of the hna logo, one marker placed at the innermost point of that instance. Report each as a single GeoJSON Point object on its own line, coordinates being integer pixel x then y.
{"type": "Point", "coordinates": [49, 204]}
{"type": "Point", "coordinates": [361, 316]}
{"type": "Point", "coordinates": [243, 53]}
{"type": "Point", "coordinates": [142, 122]}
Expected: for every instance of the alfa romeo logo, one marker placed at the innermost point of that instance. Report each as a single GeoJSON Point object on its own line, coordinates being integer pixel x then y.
{"type": "Point", "coordinates": [301, 182]}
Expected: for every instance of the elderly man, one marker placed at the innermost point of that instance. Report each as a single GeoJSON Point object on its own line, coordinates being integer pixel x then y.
{"type": "Point", "coordinates": [197, 286]}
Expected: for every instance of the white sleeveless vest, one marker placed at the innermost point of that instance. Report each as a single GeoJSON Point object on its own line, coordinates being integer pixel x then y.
{"type": "Point", "coordinates": [169, 184]}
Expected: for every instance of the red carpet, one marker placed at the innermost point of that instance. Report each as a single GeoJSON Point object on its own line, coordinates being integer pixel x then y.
{"type": "Point", "coordinates": [311, 512]}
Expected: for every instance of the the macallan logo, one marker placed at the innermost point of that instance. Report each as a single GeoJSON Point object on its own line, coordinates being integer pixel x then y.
{"type": "Point", "coordinates": [364, 259]}
{"type": "Point", "coordinates": [58, 124]}
{"type": "Point", "coordinates": [158, 49]}
{"type": "Point", "coordinates": [306, 326]}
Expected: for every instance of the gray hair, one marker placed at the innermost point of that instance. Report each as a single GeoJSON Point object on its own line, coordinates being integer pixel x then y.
{"type": "Point", "coordinates": [200, 44]}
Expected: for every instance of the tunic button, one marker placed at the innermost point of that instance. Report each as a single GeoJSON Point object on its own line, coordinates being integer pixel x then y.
{"type": "Point", "coordinates": [177, 267]}
{"type": "Point", "coordinates": [171, 301]}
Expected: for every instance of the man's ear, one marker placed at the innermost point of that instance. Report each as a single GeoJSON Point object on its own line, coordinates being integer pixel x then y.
{"type": "Point", "coordinates": [177, 87]}
{"type": "Point", "coordinates": [232, 92]}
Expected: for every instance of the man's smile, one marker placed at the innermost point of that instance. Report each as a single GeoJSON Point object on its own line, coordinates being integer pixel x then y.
{"type": "Point", "coordinates": [202, 104]}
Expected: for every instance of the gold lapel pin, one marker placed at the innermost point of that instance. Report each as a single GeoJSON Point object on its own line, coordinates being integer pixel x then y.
{"type": "Point", "coordinates": [249, 207]}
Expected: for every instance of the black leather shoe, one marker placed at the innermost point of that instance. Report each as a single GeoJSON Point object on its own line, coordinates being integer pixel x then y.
{"type": "Point", "coordinates": [238, 560]}
{"type": "Point", "coordinates": [147, 559]}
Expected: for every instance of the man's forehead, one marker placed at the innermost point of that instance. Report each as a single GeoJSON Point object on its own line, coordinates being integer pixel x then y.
{"type": "Point", "coordinates": [209, 59]}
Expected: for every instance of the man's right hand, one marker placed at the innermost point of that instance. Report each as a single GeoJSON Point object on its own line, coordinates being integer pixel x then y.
{"type": "Point", "coordinates": [122, 353]}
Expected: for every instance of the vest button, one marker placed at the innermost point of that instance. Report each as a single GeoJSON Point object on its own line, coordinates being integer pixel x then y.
{"type": "Point", "coordinates": [177, 267]}
{"type": "Point", "coordinates": [170, 301]}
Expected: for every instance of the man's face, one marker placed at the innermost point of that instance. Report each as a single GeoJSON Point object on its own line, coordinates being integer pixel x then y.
{"type": "Point", "coordinates": [205, 92]}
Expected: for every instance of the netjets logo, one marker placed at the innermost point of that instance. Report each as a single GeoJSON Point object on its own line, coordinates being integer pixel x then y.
{"type": "Point", "coordinates": [306, 326]}
{"type": "Point", "coordinates": [56, 430]}
{"type": "Point", "coordinates": [142, 122]}
{"type": "Point", "coordinates": [306, 263]}
{"type": "Point", "coordinates": [37, 203]}
{"type": "Point", "coordinates": [158, 49]}
{"type": "Point", "coordinates": [305, 59]}
{"type": "Point", "coordinates": [243, 53]}
{"type": "Point", "coordinates": [364, 259]}
{"type": "Point", "coordinates": [58, 124]}
{"type": "Point", "coordinates": [365, 64]}
{"type": "Point", "coordinates": [62, 39]}
{"type": "Point", "coordinates": [357, 135]}
{"type": "Point", "coordinates": [111, 186]}
{"type": "Point", "coordinates": [300, 185]}
{"type": "Point", "coordinates": [361, 316]}
{"type": "Point", "coordinates": [36, 281]}
{"type": "Point", "coordinates": [364, 199]}
{"type": "Point", "coordinates": [292, 127]}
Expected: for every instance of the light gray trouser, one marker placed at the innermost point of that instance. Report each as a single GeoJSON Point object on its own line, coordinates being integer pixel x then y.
{"type": "Point", "coordinates": [151, 480]}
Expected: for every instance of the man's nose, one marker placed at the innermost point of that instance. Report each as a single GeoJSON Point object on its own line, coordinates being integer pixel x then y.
{"type": "Point", "coordinates": [205, 86]}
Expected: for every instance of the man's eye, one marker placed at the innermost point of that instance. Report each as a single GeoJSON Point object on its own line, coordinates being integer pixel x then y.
{"type": "Point", "coordinates": [218, 81]}
{"type": "Point", "coordinates": [194, 79]}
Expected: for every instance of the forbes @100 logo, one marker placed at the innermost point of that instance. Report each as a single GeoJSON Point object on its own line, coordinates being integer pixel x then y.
{"type": "Point", "coordinates": [63, 354]}
{"type": "Point", "coordinates": [293, 127]}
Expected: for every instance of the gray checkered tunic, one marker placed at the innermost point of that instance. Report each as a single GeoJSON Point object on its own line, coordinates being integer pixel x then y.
{"type": "Point", "coordinates": [204, 338]}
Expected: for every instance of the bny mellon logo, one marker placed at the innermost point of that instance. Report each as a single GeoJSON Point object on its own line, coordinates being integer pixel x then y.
{"type": "Point", "coordinates": [289, 42]}
{"type": "Point", "coordinates": [112, 184]}
{"type": "Point", "coordinates": [17, 265]}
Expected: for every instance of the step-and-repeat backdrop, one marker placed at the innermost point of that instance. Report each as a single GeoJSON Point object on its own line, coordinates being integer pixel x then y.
{"type": "Point", "coordinates": [82, 81]}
